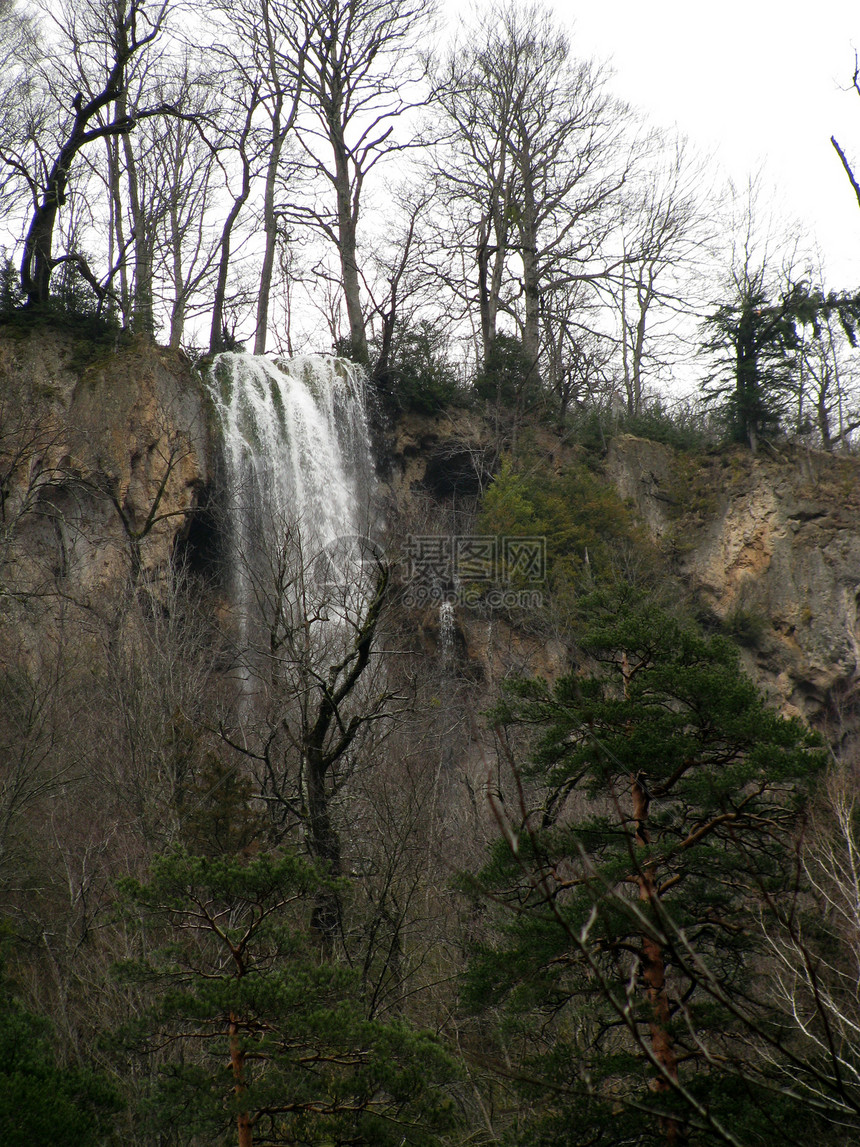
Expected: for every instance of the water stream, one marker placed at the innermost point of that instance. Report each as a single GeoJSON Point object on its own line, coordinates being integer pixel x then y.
{"type": "Point", "coordinates": [298, 480]}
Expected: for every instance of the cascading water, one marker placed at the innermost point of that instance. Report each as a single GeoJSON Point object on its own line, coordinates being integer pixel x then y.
{"type": "Point", "coordinates": [447, 631]}
{"type": "Point", "coordinates": [296, 452]}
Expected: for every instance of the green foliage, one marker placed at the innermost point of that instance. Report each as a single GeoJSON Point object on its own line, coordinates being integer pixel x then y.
{"type": "Point", "coordinates": [11, 295]}
{"type": "Point", "coordinates": [682, 427]}
{"type": "Point", "coordinates": [508, 380]}
{"type": "Point", "coordinates": [581, 517]}
{"type": "Point", "coordinates": [419, 376]}
{"type": "Point", "coordinates": [753, 339]}
{"type": "Point", "coordinates": [41, 1103]}
{"type": "Point", "coordinates": [756, 339]}
{"type": "Point", "coordinates": [625, 911]}
{"type": "Point", "coordinates": [217, 817]}
{"type": "Point", "coordinates": [95, 333]}
{"type": "Point", "coordinates": [263, 1028]}
{"type": "Point", "coordinates": [73, 305]}
{"type": "Point", "coordinates": [746, 626]}
{"type": "Point", "coordinates": [344, 347]}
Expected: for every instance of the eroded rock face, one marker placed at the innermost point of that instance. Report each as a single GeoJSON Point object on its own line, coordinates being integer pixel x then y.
{"type": "Point", "coordinates": [770, 546]}
{"type": "Point", "coordinates": [103, 454]}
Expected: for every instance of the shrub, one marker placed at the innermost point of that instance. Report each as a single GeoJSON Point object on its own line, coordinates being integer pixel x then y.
{"type": "Point", "coordinates": [419, 376]}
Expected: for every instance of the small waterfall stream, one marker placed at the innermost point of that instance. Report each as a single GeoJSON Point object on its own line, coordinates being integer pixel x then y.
{"type": "Point", "coordinates": [447, 632]}
{"type": "Point", "coordinates": [299, 471]}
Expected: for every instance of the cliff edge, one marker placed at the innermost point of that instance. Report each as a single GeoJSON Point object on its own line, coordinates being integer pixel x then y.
{"type": "Point", "coordinates": [769, 547]}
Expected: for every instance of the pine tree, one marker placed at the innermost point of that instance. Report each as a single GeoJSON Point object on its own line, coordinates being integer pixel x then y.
{"type": "Point", "coordinates": [754, 339]}
{"type": "Point", "coordinates": [43, 1103]}
{"type": "Point", "coordinates": [264, 1034]}
{"type": "Point", "coordinates": [656, 824]}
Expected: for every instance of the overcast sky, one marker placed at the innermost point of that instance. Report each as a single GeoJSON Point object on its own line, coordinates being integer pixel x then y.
{"type": "Point", "coordinates": [757, 82]}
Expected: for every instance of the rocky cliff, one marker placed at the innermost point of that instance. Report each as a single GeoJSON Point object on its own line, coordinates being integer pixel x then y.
{"type": "Point", "coordinates": [769, 546]}
{"type": "Point", "coordinates": [103, 454]}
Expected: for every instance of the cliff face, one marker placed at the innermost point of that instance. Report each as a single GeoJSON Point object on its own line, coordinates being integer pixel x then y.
{"type": "Point", "coordinates": [103, 452]}
{"type": "Point", "coordinates": [770, 547]}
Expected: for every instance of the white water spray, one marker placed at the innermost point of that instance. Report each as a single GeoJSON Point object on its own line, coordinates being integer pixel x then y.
{"type": "Point", "coordinates": [296, 451]}
{"type": "Point", "coordinates": [446, 631]}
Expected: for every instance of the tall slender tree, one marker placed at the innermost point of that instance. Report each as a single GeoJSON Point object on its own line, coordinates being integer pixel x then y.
{"type": "Point", "coordinates": [536, 160]}
{"type": "Point", "coordinates": [362, 75]}
{"type": "Point", "coordinates": [653, 824]}
{"type": "Point", "coordinates": [102, 43]}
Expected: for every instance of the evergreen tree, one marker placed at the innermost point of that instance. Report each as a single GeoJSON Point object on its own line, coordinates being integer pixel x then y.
{"type": "Point", "coordinates": [267, 1037]}
{"type": "Point", "coordinates": [754, 339]}
{"type": "Point", "coordinates": [757, 340]}
{"type": "Point", "coordinates": [43, 1104]}
{"type": "Point", "coordinates": [656, 824]}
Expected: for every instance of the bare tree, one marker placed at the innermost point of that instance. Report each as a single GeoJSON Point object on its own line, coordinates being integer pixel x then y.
{"type": "Point", "coordinates": [361, 70]}
{"type": "Point", "coordinates": [267, 55]}
{"type": "Point", "coordinates": [183, 185]}
{"type": "Point", "coordinates": [102, 44]}
{"type": "Point", "coordinates": [666, 235]}
{"type": "Point", "coordinates": [308, 666]}
{"type": "Point", "coordinates": [537, 161]}
{"type": "Point", "coordinates": [826, 363]}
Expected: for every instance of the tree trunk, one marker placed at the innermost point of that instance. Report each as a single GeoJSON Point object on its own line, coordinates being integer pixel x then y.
{"type": "Point", "coordinates": [217, 328]}
{"type": "Point", "coordinates": [177, 311]}
{"type": "Point", "coordinates": [117, 231]}
{"type": "Point", "coordinates": [143, 318]}
{"type": "Point", "coordinates": [325, 847]}
{"type": "Point", "coordinates": [654, 972]}
{"type": "Point", "coordinates": [240, 1086]}
{"type": "Point", "coordinates": [531, 275]}
{"type": "Point", "coordinates": [270, 230]}
{"type": "Point", "coordinates": [347, 198]}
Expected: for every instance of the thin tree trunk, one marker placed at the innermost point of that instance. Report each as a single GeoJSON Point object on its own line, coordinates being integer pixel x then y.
{"type": "Point", "coordinates": [143, 318]}
{"type": "Point", "coordinates": [325, 846]}
{"type": "Point", "coordinates": [117, 230]}
{"type": "Point", "coordinates": [347, 243]}
{"type": "Point", "coordinates": [270, 230]}
{"type": "Point", "coordinates": [654, 973]}
{"type": "Point", "coordinates": [531, 284]}
{"type": "Point", "coordinates": [240, 1086]}
{"type": "Point", "coordinates": [216, 330]}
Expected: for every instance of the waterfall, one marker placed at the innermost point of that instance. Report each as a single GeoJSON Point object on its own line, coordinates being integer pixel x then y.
{"type": "Point", "coordinates": [298, 483]}
{"type": "Point", "coordinates": [446, 631]}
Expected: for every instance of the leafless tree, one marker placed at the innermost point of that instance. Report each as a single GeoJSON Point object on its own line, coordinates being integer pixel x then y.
{"type": "Point", "coordinates": [667, 237]}
{"type": "Point", "coordinates": [268, 55]}
{"type": "Point", "coordinates": [362, 75]}
{"type": "Point", "coordinates": [535, 164]}
{"type": "Point", "coordinates": [100, 43]}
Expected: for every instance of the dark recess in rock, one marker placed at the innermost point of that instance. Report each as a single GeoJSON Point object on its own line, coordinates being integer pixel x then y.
{"type": "Point", "coordinates": [453, 471]}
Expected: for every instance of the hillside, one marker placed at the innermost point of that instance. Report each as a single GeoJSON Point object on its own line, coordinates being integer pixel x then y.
{"type": "Point", "coordinates": [377, 771]}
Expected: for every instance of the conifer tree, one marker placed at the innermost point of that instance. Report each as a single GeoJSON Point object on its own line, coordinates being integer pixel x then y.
{"type": "Point", "coordinates": [264, 1035]}
{"type": "Point", "coordinates": [656, 823]}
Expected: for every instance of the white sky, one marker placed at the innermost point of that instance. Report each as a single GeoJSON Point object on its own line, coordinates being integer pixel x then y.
{"type": "Point", "coordinates": [756, 82]}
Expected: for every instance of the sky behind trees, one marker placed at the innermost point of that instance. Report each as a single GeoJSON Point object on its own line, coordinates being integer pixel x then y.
{"type": "Point", "coordinates": [519, 187]}
{"type": "Point", "coordinates": [759, 84]}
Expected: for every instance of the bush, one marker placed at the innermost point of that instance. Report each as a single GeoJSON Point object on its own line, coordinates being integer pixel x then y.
{"type": "Point", "coordinates": [505, 376]}
{"type": "Point", "coordinates": [419, 375]}
{"type": "Point", "coordinates": [581, 517]}
{"type": "Point", "coordinates": [41, 1103]}
{"type": "Point", "coordinates": [11, 295]}
{"type": "Point", "coordinates": [683, 427]}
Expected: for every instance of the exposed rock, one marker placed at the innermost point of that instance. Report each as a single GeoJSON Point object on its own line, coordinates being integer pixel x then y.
{"type": "Point", "coordinates": [770, 546]}
{"type": "Point", "coordinates": [443, 456]}
{"type": "Point", "coordinates": [103, 454]}
{"type": "Point", "coordinates": [104, 459]}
